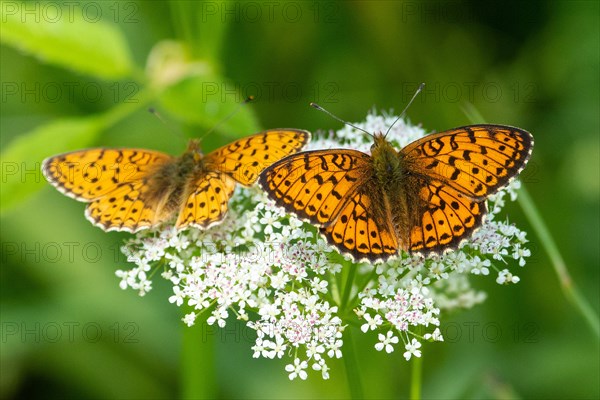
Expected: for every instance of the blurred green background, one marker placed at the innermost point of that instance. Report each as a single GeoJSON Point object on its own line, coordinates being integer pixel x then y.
{"type": "Point", "coordinates": [76, 74]}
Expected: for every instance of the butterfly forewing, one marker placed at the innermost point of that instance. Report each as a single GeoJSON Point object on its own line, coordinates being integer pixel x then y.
{"type": "Point", "coordinates": [476, 160]}
{"type": "Point", "coordinates": [90, 174]}
{"type": "Point", "coordinates": [245, 158]}
{"type": "Point", "coordinates": [315, 185]}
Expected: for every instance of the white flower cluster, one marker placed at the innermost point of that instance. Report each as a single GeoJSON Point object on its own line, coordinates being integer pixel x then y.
{"type": "Point", "coordinates": [259, 264]}
{"type": "Point", "coordinates": [279, 276]}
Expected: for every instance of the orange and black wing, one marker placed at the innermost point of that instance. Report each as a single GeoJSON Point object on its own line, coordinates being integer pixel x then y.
{"type": "Point", "coordinates": [457, 170]}
{"type": "Point", "coordinates": [112, 181]}
{"type": "Point", "coordinates": [246, 158]}
{"type": "Point", "coordinates": [476, 160]}
{"type": "Point", "coordinates": [207, 202]}
{"type": "Point", "coordinates": [445, 218]}
{"type": "Point", "coordinates": [333, 189]}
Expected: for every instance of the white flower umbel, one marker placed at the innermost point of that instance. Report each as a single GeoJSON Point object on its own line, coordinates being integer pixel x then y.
{"type": "Point", "coordinates": [278, 275]}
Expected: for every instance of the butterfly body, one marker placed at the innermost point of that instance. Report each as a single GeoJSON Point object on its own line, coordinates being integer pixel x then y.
{"type": "Point", "coordinates": [425, 198]}
{"type": "Point", "coordinates": [134, 189]}
{"type": "Point", "coordinates": [168, 183]}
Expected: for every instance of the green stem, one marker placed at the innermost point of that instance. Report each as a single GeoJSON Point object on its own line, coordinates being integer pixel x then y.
{"type": "Point", "coordinates": [351, 364]}
{"type": "Point", "coordinates": [348, 286]}
{"type": "Point", "coordinates": [198, 378]}
{"type": "Point", "coordinates": [416, 377]}
{"type": "Point", "coordinates": [568, 286]}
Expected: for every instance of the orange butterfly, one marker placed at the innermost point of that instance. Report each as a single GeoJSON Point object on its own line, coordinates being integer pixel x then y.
{"type": "Point", "coordinates": [134, 189]}
{"type": "Point", "coordinates": [425, 198]}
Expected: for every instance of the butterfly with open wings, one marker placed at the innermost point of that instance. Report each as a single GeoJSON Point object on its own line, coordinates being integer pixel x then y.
{"type": "Point", "coordinates": [135, 189]}
{"type": "Point", "coordinates": [425, 198]}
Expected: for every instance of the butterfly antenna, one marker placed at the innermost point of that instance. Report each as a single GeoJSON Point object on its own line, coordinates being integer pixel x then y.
{"type": "Point", "coordinates": [318, 107]}
{"type": "Point", "coordinates": [419, 89]}
{"type": "Point", "coordinates": [153, 111]}
{"type": "Point", "coordinates": [228, 117]}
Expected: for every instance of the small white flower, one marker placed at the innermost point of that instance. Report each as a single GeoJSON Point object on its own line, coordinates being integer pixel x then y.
{"type": "Point", "coordinates": [219, 315]}
{"type": "Point", "coordinates": [270, 221]}
{"type": "Point", "coordinates": [259, 348]}
{"type": "Point", "coordinates": [372, 323]}
{"type": "Point", "coordinates": [499, 252]}
{"type": "Point", "coordinates": [277, 348]}
{"type": "Point", "coordinates": [521, 236]}
{"type": "Point", "coordinates": [519, 253]}
{"type": "Point", "coordinates": [412, 349]}
{"type": "Point", "coordinates": [386, 341]}
{"type": "Point", "coordinates": [179, 242]}
{"type": "Point", "coordinates": [177, 298]}
{"type": "Point", "coordinates": [189, 319]}
{"type": "Point", "coordinates": [270, 311]}
{"type": "Point", "coordinates": [314, 350]}
{"type": "Point", "coordinates": [505, 277]}
{"type": "Point", "coordinates": [480, 267]}
{"type": "Point", "coordinates": [438, 270]}
{"type": "Point", "coordinates": [436, 336]}
{"type": "Point", "coordinates": [123, 275]}
{"type": "Point", "coordinates": [297, 369]}
{"type": "Point", "coordinates": [319, 285]}
{"type": "Point", "coordinates": [322, 366]}
{"type": "Point", "coordinates": [335, 349]}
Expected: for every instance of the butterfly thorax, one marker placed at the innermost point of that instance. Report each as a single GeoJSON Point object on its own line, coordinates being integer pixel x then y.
{"type": "Point", "coordinates": [393, 177]}
{"type": "Point", "coordinates": [167, 184]}
{"type": "Point", "coordinates": [386, 161]}
{"type": "Point", "coordinates": [194, 150]}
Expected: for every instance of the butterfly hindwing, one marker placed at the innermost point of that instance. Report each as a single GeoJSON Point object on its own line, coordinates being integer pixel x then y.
{"type": "Point", "coordinates": [207, 201]}
{"type": "Point", "coordinates": [125, 208]}
{"type": "Point", "coordinates": [360, 230]}
{"type": "Point", "coordinates": [446, 217]}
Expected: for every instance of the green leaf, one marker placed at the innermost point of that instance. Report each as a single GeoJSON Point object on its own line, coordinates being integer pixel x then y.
{"type": "Point", "coordinates": [208, 101]}
{"type": "Point", "coordinates": [21, 159]}
{"type": "Point", "coordinates": [67, 39]}
{"type": "Point", "coordinates": [203, 29]}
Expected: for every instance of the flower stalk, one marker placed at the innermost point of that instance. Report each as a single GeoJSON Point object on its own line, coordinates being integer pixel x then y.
{"type": "Point", "coordinates": [197, 358]}
{"type": "Point", "coordinates": [415, 378]}
{"type": "Point", "coordinates": [351, 366]}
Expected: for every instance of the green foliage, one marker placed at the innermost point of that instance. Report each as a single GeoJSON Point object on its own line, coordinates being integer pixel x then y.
{"type": "Point", "coordinates": [99, 49]}
{"type": "Point", "coordinates": [210, 108]}
{"type": "Point", "coordinates": [90, 47]}
{"type": "Point", "coordinates": [26, 151]}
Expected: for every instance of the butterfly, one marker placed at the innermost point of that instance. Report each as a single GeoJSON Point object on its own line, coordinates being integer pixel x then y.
{"type": "Point", "coordinates": [134, 189]}
{"type": "Point", "coordinates": [425, 198]}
